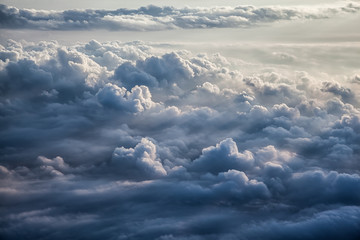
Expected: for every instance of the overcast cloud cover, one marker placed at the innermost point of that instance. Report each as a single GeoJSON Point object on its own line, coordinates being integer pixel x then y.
{"type": "Point", "coordinates": [149, 140]}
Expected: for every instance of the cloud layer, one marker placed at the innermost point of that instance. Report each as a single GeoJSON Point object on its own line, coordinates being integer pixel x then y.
{"type": "Point", "coordinates": [152, 18]}
{"type": "Point", "coordinates": [134, 143]}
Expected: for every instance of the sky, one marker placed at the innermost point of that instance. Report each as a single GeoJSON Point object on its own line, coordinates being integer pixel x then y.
{"type": "Point", "coordinates": [115, 4]}
{"type": "Point", "coordinates": [179, 120]}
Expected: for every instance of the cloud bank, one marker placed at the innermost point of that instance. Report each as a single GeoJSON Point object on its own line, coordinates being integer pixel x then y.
{"type": "Point", "coordinates": [123, 141]}
{"type": "Point", "coordinates": [153, 18]}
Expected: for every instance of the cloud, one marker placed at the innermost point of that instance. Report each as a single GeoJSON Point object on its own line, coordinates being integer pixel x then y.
{"type": "Point", "coordinates": [140, 161]}
{"type": "Point", "coordinates": [163, 18]}
{"type": "Point", "coordinates": [54, 166]}
{"type": "Point", "coordinates": [154, 71]}
{"type": "Point", "coordinates": [335, 88]}
{"type": "Point", "coordinates": [314, 227]}
{"type": "Point", "coordinates": [137, 100]}
{"type": "Point", "coordinates": [134, 141]}
{"type": "Point", "coordinates": [238, 183]}
{"type": "Point", "coordinates": [131, 76]}
{"type": "Point", "coordinates": [328, 188]}
{"type": "Point", "coordinates": [224, 156]}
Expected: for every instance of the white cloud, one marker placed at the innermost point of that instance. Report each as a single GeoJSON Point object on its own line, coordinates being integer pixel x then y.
{"type": "Point", "coordinates": [162, 18]}
{"type": "Point", "coordinates": [136, 100]}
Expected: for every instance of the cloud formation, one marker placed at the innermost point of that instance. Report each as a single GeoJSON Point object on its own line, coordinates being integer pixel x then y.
{"type": "Point", "coordinates": [135, 143]}
{"type": "Point", "coordinates": [152, 18]}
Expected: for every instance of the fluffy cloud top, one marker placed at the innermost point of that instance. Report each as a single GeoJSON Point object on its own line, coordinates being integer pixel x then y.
{"type": "Point", "coordinates": [225, 156]}
{"type": "Point", "coordinates": [140, 161]}
{"type": "Point", "coordinates": [118, 98]}
{"type": "Point", "coordinates": [134, 143]}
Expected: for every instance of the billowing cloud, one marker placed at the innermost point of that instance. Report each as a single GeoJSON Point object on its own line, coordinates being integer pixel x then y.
{"type": "Point", "coordinates": [140, 161]}
{"type": "Point", "coordinates": [163, 18]}
{"type": "Point", "coordinates": [133, 141]}
{"type": "Point", "coordinates": [225, 156]}
{"type": "Point", "coordinates": [118, 98]}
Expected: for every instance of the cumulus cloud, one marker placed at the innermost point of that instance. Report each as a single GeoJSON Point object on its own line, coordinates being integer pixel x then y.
{"type": "Point", "coordinates": [54, 166]}
{"type": "Point", "coordinates": [154, 71]}
{"type": "Point", "coordinates": [163, 18]}
{"type": "Point", "coordinates": [224, 156]}
{"type": "Point", "coordinates": [324, 187]}
{"type": "Point", "coordinates": [137, 100]}
{"type": "Point", "coordinates": [135, 143]}
{"type": "Point", "coordinates": [237, 182]}
{"type": "Point", "coordinates": [335, 88]}
{"type": "Point", "coordinates": [139, 161]}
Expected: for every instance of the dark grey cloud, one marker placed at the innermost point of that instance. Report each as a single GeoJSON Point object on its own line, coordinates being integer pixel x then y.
{"type": "Point", "coordinates": [312, 227]}
{"type": "Point", "coordinates": [162, 18]}
{"type": "Point", "coordinates": [123, 141]}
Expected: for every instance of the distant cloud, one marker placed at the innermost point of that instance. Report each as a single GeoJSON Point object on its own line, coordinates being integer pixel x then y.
{"type": "Point", "coordinates": [161, 18]}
